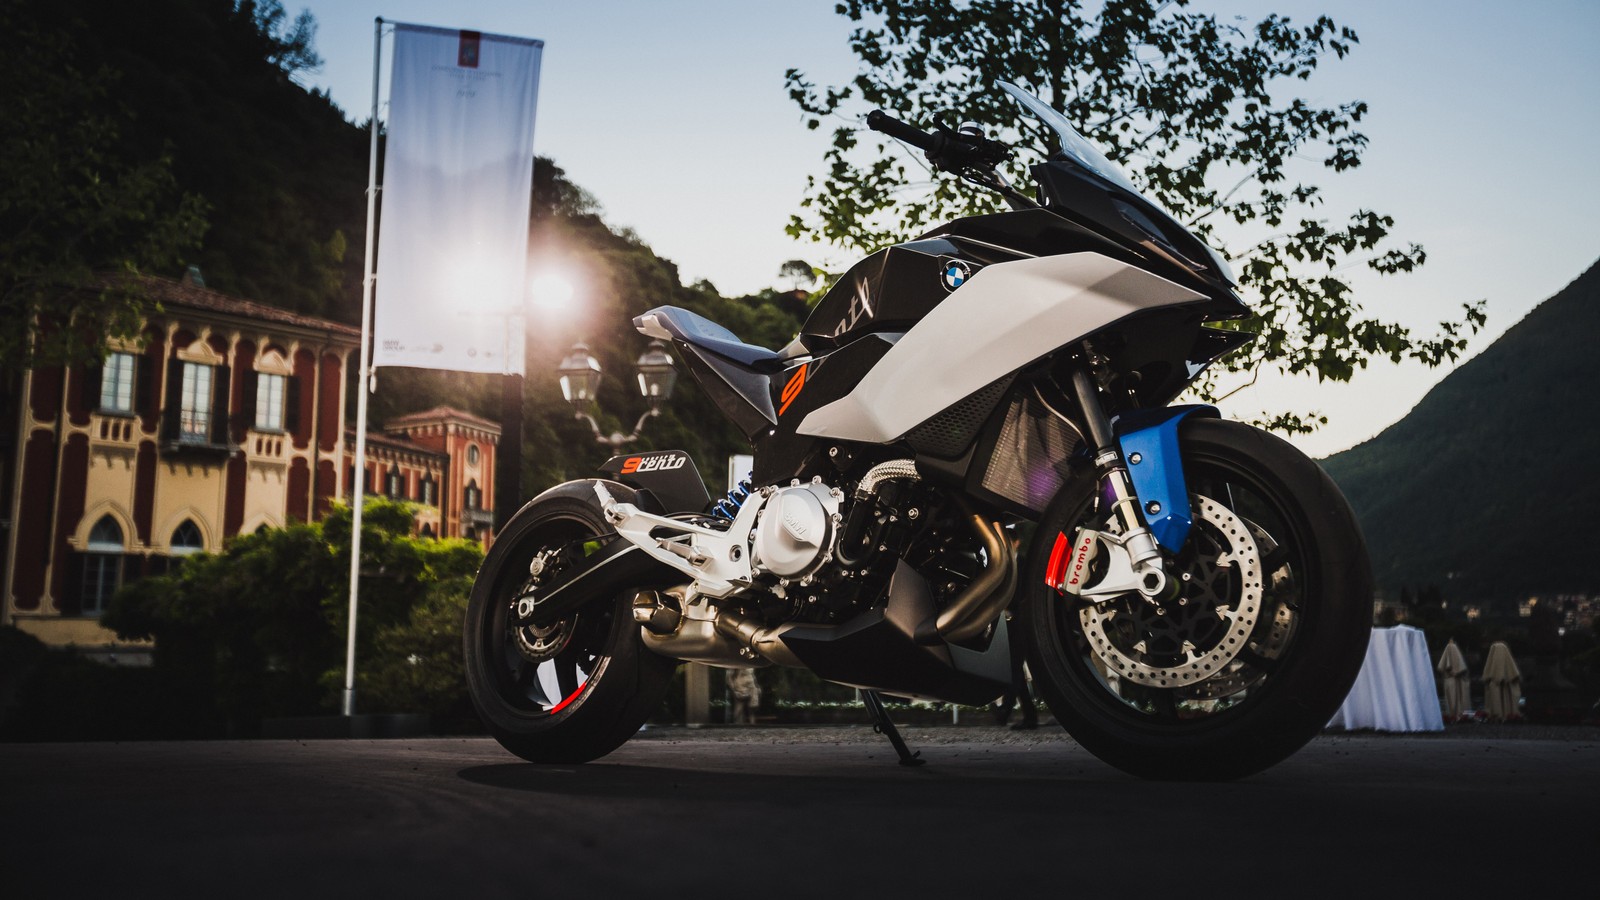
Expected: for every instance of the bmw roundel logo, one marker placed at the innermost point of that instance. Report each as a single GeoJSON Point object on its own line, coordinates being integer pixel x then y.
{"type": "Point", "coordinates": [956, 274]}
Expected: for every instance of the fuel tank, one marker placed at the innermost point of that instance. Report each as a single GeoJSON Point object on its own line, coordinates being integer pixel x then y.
{"type": "Point", "coordinates": [894, 288]}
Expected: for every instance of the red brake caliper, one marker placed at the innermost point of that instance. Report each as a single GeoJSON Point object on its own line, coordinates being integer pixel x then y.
{"type": "Point", "coordinates": [1058, 561]}
{"type": "Point", "coordinates": [1069, 561]}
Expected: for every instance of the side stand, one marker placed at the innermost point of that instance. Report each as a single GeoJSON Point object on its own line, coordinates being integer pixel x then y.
{"type": "Point", "coordinates": [882, 725]}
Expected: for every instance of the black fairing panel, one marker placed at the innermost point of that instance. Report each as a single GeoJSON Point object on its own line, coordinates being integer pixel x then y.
{"type": "Point", "coordinates": [880, 650]}
{"type": "Point", "coordinates": [741, 392]}
{"type": "Point", "coordinates": [768, 406]}
{"type": "Point", "coordinates": [1143, 233]}
{"type": "Point", "coordinates": [1032, 232]}
{"type": "Point", "coordinates": [808, 384]}
{"type": "Point", "coordinates": [669, 475]}
{"type": "Point", "coordinates": [891, 290]}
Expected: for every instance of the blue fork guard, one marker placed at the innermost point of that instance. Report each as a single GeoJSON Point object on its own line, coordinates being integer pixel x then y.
{"type": "Point", "coordinates": [1158, 475]}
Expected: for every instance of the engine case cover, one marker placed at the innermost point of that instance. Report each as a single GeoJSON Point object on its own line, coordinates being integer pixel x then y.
{"type": "Point", "coordinates": [795, 534]}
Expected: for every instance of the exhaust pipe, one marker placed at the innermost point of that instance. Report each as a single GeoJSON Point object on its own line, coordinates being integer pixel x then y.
{"type": "Point", "coordinates": [760, 642]}
{"type": "Point", "coordinates": [982, 601]}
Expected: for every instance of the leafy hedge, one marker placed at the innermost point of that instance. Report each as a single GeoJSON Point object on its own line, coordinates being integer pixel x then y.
{"type": "Point", "coordinates": [259, 630]}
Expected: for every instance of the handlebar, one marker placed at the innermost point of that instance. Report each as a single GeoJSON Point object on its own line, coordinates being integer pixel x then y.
{"type": "Point", "coordinates": [966, 153]}
{"type": "Point", "coordinates": [952, 151]}
{"type": "Point", "coordinates": [878, 120]}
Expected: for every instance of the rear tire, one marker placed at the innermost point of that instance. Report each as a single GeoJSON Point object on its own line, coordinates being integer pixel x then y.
{"type": "Point", "coordinates": [1313, 587]}
{"type": "Point", "coordinates": [579, 689]}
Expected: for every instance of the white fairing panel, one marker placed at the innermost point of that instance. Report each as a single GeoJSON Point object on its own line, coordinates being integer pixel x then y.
{"type": "Point", "coordinates": [1004, 317]}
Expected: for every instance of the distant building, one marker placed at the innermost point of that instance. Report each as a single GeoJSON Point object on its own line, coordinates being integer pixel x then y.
{"type": "Point", "coordinates": [223, 416]}
{"type": "Point", "coordinates": [442, 458]}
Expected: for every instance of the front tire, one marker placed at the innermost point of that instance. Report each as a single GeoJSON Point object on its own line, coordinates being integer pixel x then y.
{"type": "Point", "coordinates": [574, 691]}
{"type": "Point", "coordinates": [1122, 676]}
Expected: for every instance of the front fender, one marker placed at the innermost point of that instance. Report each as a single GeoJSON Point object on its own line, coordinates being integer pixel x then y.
{"type": "Point", "coordinates": [1149, 442]}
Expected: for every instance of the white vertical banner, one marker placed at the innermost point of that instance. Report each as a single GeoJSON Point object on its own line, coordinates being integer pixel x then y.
{"type": "Point", "coordinates": [457, 179]}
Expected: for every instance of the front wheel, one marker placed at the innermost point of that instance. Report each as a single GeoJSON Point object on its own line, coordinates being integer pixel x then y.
{"type": "Point", "coordinates": [577, 689]}
{"type": "Point", "coordinates": [1251, 653]}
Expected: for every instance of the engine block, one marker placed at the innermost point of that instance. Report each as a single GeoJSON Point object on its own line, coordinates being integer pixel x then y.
{"type": "Point", "coordinates": [795, 533]}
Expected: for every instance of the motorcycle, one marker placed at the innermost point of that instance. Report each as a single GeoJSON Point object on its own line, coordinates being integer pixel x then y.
{"type": "Point", "coordinates": [973, 420]}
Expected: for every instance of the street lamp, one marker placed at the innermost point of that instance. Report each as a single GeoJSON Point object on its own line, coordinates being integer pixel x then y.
{"type": "Point", "coordinates": [657, 375]}
{"type": "Point", "coordinates": [580, 384]}
{"type": "Point", "coordinates": [580, 376]}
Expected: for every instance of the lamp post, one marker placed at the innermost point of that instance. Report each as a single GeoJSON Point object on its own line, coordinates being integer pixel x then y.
{"type": "Point", "coordinates": [580, 384]}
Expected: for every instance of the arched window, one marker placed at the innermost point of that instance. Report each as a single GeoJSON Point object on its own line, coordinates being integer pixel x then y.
{"type": "Point", "coordinates": [186, 539]}
{"type": "Point", "coordinates": [472, 497]}
{"type": "Point", "coordinates": [394, 483]}
{"type": "Point", "coordinates": [105, 537]}
{"type": "Point", "coordinates": [428, 491]}
{"type": "Point", "coordinates": [102, 566]}
{"type": "Point", "coordinates": [472, 454]}
{"type": "Point", "coordinates": [427, 531]}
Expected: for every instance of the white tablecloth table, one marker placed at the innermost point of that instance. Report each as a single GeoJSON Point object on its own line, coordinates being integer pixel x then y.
{"type": "Point", "coordinates": [1395, 690]}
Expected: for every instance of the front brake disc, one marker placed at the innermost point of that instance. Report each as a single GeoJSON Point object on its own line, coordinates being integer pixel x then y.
{"type": "Point", "coordinates": [1191, 637]}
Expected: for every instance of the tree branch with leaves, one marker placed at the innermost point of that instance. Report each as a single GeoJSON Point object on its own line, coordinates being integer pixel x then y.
{"type": "Point", "coordinates": [1194, 107]}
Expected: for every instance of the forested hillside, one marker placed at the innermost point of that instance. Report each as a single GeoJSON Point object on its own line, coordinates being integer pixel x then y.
{"type": "Point", "coordinates": [281, 171]}
{"type": "Point", "coordinates": [1488, 488]}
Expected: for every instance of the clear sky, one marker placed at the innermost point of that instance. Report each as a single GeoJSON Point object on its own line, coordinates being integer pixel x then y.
{"type": "Point", "coordinates": [1484, 124]}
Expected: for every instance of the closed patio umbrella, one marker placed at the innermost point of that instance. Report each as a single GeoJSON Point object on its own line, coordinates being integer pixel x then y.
{"type": "Point", "coordinates": [1502, 683]}
{"type": "Point", "coordinates": [1455, 689]}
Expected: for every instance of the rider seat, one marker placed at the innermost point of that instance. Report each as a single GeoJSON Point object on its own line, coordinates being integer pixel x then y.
{"type": "Point", "coordinates": [739, 376]}
{"type": "Point", "coordinates": [674, 323]}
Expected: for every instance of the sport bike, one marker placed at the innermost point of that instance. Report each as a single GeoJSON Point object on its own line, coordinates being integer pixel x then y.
{"type": "Point", "coordinates": [968, 422]}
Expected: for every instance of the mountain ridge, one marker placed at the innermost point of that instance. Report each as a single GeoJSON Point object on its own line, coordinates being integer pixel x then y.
{"type": "Point", "coordinates": [1487, 488]}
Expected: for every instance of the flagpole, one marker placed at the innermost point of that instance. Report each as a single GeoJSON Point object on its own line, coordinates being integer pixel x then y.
{"type": "Point", "coordinates": [358, 492]}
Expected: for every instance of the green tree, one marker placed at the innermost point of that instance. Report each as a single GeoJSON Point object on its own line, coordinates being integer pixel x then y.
{"type": "Point", "coordinates": [417, 665]}
{"type": "Point", "coordinates": [79, 215]}
{"type": "Point", "coordinates": [291, 46]}
{"type": "Point", "coordinates": [1193, 107]}
{"type": "Point", "coordinates": [799, 273]}
{"type": "Point", "coordinates": [259, 630]}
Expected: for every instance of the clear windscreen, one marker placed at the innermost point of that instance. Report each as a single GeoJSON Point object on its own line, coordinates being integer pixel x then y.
{"type": "Point", "coordinates": [1083, 152]}
{"type": "Point", "coordinates": [1073, 144]}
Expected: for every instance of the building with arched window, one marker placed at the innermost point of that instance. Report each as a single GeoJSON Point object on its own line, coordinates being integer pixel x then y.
{"type": "Point", "coordinates": [102, 565]}
{"type": "Point", "coordinates": [221, 416]}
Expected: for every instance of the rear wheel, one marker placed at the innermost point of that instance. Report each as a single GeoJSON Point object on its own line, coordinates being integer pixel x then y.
{"type": "Point", "coordinates": [1253, 651]}
{"type": "Point", "coordinates": [579, 688]}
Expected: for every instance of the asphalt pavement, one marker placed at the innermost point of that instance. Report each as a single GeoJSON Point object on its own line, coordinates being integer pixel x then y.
{"type": "Point", "coordinates": [794, 812]}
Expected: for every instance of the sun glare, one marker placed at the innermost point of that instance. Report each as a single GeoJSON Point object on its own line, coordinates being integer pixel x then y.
{"type": "Point", "coordinates": [551, 292]}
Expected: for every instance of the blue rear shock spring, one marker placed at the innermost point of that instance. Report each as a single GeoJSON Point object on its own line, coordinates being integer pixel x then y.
{"type": "Point", "coordinates": [728, 506]}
